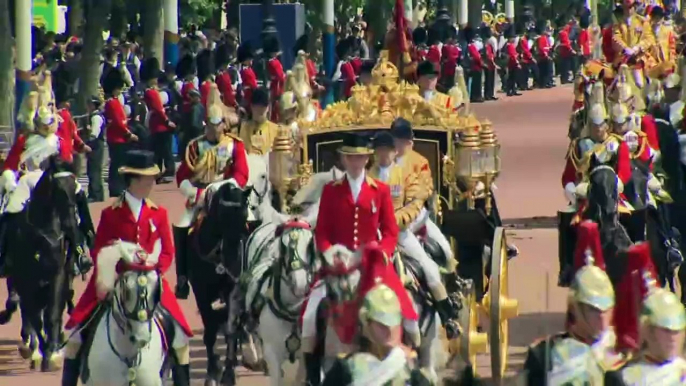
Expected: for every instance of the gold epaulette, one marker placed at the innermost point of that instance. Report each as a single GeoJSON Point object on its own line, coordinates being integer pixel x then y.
{"type": "Point", "coordinates": [337, 182]}
{"type": "Point", "coordinates": [371, 182]}
{"type": "Point", "coordinates": [233, 136]}
{"type": "Point", "coordinates": [151, 204]}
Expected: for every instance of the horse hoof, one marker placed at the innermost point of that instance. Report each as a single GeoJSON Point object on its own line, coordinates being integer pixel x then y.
{"type": "Point", "coordinates": [53, 363]}
{"type": "Point", "coordinates": [24, 350]}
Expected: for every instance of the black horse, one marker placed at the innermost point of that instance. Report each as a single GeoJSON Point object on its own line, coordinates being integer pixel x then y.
{"type": "Point", "coordinates": [215, 264]}
{"type": "Point", "coordinates": [602, 208]}
{"type": "Point", "coordinates": [46, 244]}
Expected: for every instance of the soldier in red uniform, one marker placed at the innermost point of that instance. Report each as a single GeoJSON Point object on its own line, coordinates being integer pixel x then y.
{"type": "Point", "coordinates": [302, 45]}
{"type": "Point", "coordinates": [584, 39]}
{"type": "Point", "coordinates": [565, 51]}
{"type": "Point", "coordinates": [527, 60]}
{"type": "Point", "coordinates": [159, 124]}
{"type": "Point", "coordinates": [420, 49]}
{"type": "Point", "coordinates": [205, 65]}
{"type": "Point", "coordinates": [543, 55]}
{"type": "Point", "coordinates": [450, 55]}
{"type": "Point", "coordinates": [353, 212]}
{"type": "Point", "coordinates": [476, 66]}
{"type": "Point", "coordinates": [66, 129]}
{"type": "Point", "coordinates": [118, 136]}
{"type": "Point", "coordinates": [513, 64]}
{"type": "Point", "coordinates": [435, 35]}
{"type": "Point", "coordinates": [248, 77]}
{"type": "Point", "coordinates": [185, 72]}
{"type": "Point", "coordinates": [132, 218]}
{"type": "Point", "coordinates": [345, 73]}
{"type": "Point", "coordinates": [277, 77]}
{"type": "Point", "coordinates": [223, 77]}
{"type": "Point", "coordinates": [490, 65]}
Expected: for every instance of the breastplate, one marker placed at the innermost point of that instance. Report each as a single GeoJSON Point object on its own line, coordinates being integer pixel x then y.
{"type": "Point", "coordinates": [574, 363]}
{"type": "Point", "coordinates": [604, 152]}
{"type": "Point", "coordinates": [650, 374]}
{"type": "Point", "coordinates": [223, 153]}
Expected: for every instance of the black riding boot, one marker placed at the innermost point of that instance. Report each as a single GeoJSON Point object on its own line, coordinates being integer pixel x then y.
{"type": "Point", "coordinates": [182, 289]}
{"type": "Point", "coordinates": [84, 263]}
{"type": "Point", "coordinates": [71, 372]}
{"type": "Point", "coordinates": [181, 375]}
{"type": "Point", "coordinates": [448, 315]}
{"type": "Point", "coordinates": [313, 368]}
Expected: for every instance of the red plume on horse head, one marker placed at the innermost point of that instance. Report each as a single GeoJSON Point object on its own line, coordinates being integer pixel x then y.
{"type": "Point", "coordinates": [588, 248]}
{"type": "Point", "coordinates": [637, 282]}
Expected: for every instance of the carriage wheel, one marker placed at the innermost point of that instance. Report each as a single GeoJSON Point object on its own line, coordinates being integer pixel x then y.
{"type": "Point", "coordinates": [471, 342]}
{"type": "Point", "coordinates": [500, 307]}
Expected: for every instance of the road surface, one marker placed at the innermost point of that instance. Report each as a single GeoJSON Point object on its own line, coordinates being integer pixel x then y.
{"type": "Point", "coordinates": [532, 130]}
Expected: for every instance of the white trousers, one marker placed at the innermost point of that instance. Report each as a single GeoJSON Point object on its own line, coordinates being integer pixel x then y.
{"type": "Point", "coordinates": [17, 199]}
{"type": "Point", "coordinates": [432, 231]}
{"type": "Point", "coordinates": [318, 293]}
{"type": "Point", "coordinates": [410, 245]}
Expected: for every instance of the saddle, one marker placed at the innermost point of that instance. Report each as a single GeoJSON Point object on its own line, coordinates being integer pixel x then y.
{"type": "Point", "coordinates": [87, 330]}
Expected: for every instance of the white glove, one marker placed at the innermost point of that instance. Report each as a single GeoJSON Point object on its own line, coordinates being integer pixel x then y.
{"type": "Point", "coordinates": [582, 190]}
{"type": "Point", "coordinates": [189, 191]}
{"type": "Point", "coordinates": [9, 180]}
{"type": "Point", "coordinates": [570, 192]}
{"type": "Point", "coordinates": [654, 185]}
{"type": "Point", "coordinates": [620, 186]}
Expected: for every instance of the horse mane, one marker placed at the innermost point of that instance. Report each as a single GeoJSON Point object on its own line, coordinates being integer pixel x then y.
{"type": "Point", "coordinates": [108, 257]}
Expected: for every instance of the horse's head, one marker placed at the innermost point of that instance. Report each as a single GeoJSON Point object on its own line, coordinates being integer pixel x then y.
{"type": "Point", "coordinates": [56, 192]}
{"type": "Point", "coordinates": [297, 255]}
{"type": "Point", "coordinates": [135, 291]}
{"type": "Point", "coordinates": [228, 208]}
{"type": "Point", "coordinates": [603, 190]}
{"type": "Point", "coordinates": [342, 275]}
{"type": "Point", "coordinates": [258, 186]}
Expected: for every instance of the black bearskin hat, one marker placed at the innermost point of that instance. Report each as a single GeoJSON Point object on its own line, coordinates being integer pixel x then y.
{"type": "Point", "coordinates": [185, 67]}
{"type": "Point", "coordinates": [434, 35]}
{"type": "Point", "coordinates": [541, 26]}
{"type": "Point", "coordinates": [222, 56]}
{"type": "Point", "coordinates": [419, 35]}
{"type": "Point", "coordinates": [657, 12]}
{"type": "Point", "coordinates": [343, 49]}
{"type": "Point", "coordinates": [367, 67]}
{"type": "Point", "coordinates": [509, 32]}
{"type": "Point", "coordinates": [301, 44]}
{"type": "Point", "coordinates": [485, 32]}
{"type": "Point", "coordinates": [113, 80]}
{"type": "Point", "coordinates": [245, 52]}
{"type": "Point", "coordinates": [205, 63]}
{"type": "Point", "coordinates": [452, 32]}
{"type": "Point", "coordinates": [468, 33]}
{"type": "Point", "coordinates": [260, 97]}
{"type": "Point", "coordinates": [271, 45]}
{"type": "Point", "coordinates": [62, 93]}
{"type": "Point", "coordinates": [150, 69]}
{"type": "Point", "coordinates": [585, 20]}
{"type": "Point", "coordinates": [519, 29]}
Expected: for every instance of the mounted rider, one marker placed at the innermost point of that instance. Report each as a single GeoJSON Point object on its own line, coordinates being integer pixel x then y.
{"type": "Point", "coordinates": [24, 165]}
{"type": "Point", "coordinates": [214, 156]}
{"type": "Point", "coordinates": [353, 211]}
{"type": "Point", "coordinates": [633, 40]}
{"type": "Point", "coordinates": [584, 353]}
{"type": "Point", "coordinates": [658, 335]}
{"type": "Point", "coordinates": [132, 218]}
{"type": "Point", "coordinates": [409, 196]}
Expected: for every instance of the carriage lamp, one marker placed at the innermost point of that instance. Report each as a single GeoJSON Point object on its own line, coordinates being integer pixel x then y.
{"type": "Point", "coordinates": [469, 162]}
{"type": "Point", "coordinates": [490, 153]}
{"type": "Point", "coordinates": [282, 171]}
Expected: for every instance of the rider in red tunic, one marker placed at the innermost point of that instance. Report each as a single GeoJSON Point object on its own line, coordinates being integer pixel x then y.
{"type": "Point", "coordinates": [132, 218]}
{"type": "Point", "coordinates": [277, 76]}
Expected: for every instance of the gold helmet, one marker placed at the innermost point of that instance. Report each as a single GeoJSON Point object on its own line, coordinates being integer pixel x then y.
{"type": "Point", "coordinates": [215, 114]}
{"type": "Point", "coordinates": [381, 305]}
{"type": "Point", "coordinates": [663, 309]}
{"type": "Point", "coordinates": [591, 285]}
{"type": "Point", "coordinates": [598, 113]}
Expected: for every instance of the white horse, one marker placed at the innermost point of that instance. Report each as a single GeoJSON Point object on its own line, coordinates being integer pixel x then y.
{"type": "Point", "coordinates": [128, 345]}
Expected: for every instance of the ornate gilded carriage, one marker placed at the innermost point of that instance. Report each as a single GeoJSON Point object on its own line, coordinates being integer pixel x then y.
{"type": "Point", "coordinates": [462, 152]}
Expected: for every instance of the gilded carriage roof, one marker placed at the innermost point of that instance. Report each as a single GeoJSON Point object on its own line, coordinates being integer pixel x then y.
{"type": "Point", "coordinates": [387, 98]}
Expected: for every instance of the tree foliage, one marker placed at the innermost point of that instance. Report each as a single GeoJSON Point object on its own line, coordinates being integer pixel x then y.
{"type": "Point", "coordinates": [196, 11]}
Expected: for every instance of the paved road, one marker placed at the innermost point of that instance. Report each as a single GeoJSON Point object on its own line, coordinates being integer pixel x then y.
{"type": "Point", "coordinates": [532, 131]}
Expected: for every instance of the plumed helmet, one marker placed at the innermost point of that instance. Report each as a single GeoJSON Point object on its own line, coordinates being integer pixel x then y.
{"type": "Point", "coordinates": [271, 45]}
{"type": "Point", "coordinates": [301, 44]}
{"type": "Point", "coordinates": [150, 69]}
{"type": "Point", "coordinates": [245, 52]}
{"type": "Point", "coordinates": [663, 309]}
{"type": "Point", "coordinates": [185, 67]}
{"type": "Point", "coordinates": [215, 115]}
{"type": "Point", "coordinates": [205, 63]}
{"type": "Point", "coordinates": [381, 305]}
{"type": "Point", "coordinates": [113, 80]}
{"type": "Point", "coordinates": [635, 285]}
{"type": "Point", "coordinates": [585, 20]}
{"type": "Point", "coordinates": [619, 113]}
{"type": "Point", "coordinates": [598, 113]}
{"type": "Point", "coordinates": [591, 285]}
{"type": "Point", "coordinates": [419, 35]}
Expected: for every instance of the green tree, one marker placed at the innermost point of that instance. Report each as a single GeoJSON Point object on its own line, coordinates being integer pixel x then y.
{"type": "Point", "coordinates": [197, 12]}
{"type": "Point", "coordinates": [97, 12]}
{"type": "Point", "coordinates": [152, 23]}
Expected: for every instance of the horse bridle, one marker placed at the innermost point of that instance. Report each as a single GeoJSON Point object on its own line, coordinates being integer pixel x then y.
{"type": "Point", "coordinates": [260, 195]}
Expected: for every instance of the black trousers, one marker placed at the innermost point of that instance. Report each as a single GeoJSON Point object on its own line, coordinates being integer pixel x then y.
{"type": "Point", "coordinates": [566, 65]}
{"type": "Point", "coordinates": [94, 165]}
{"type": "Point", "coordinates": [162, 147]}
{"type": "Point", "coordinates": [115, 181]}
{"type": "Point", "coordinates": [523, 77]}
{"type": "Point", "coordinates": [489, 83]}
{"type": "Point", "coordinates": [476, 85]}
{"type": "Point", "coordinates": [545, 72]}
{"type": "Point", "coordinates": [511, 83]}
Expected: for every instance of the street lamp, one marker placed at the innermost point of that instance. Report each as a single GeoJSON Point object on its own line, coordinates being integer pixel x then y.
{"type": "Point", "coordinates": [268, 21]}
{"type": "Point", "coordinates": [282, 167]}
{"type": "Point", "coordinates": [490, 153]}
{"type": "Point", "coordinates": [469, 168]}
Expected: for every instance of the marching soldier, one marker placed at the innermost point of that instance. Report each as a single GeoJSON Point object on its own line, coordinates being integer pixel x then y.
{"type": "Point", "coordinates": [450, 55]}
{"type": "Point", "coordinates": [435, 35]}
{"type": "Point", "coordinates": [633, 40]}
{"type": "Point", "coordinates": [302, 48]}
{"type": "Point", "coordinates": [95, 160]}
{"type": "Point", "coordinates": [476, 66]}
{"type": "Point", "coordinates": [185, 73]}
{"type": "Point", "coordinates": [345, 73]}
{"type": "Point", "coordinates": [527, 60]}
{"type": "Point", "coordinates": [584, 353]}
{"type": "Point", "coordinates": [277, 77]}
{"type": "Point", "coordinates": [135, 219]}
{"type": "Point", "coordinates": [565, 51]}
{"type": "Point", "coordinates": [659, 334]}
{"type": "Point", "coordinates": [490, 65]}
{"type": "Point", "coordinates": [543, 56]}
{"type": "Point", "coordinates": [205, 67]}
{"type": "Point", "coordinates": [420, 49]}
{"type": "Point", "coordinates": [408, 197]}
{"type": "Point", "coordinates": [259, 132]}
{"type": "Point", "coordinates": [514, 66]}
{"type": "Point", "coordinates": [215, 156]}
{"type": "Point", "coordinates": [584, 38]}
{"type": "Point", "coordinates": [223, 77]}
{"type": "Point", "coordinates": [248, 77]}
{"type": "Point", "coordinates": [159, 124]}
